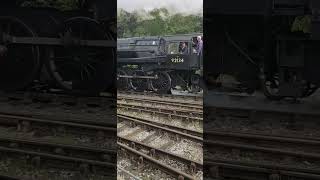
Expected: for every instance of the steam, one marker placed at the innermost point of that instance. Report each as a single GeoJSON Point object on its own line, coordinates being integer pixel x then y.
{"type": "Point", "coordinates": [174, 6]}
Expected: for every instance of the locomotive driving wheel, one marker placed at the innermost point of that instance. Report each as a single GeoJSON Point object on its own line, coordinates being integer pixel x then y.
{"type": "Point", "coordinates": [122, 82]}
{"type": "Point", "coordinates": [162, 83]}
{"type": "Point", "coordinates": [19, 64]}
{"type": "Point", "coordinates": [82, 69]}
{"type": "Point", "coordinates": [139, 84]}
{"type": "Point", "coordinates": [271, 88]}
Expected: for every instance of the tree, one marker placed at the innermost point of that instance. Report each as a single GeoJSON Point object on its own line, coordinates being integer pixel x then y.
{"type": "Point", "coordinates": [156, 22]}
{"type": "Point", "coordinates": [126, 23]}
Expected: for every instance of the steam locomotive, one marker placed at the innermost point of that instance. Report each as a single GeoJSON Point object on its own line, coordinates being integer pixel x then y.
{"type": "Point", "coordinates": [271, 45]}
{"type": "Point", "coordinates": [42, 47]}
{"type": "Point", "coordinates": [157, 64]}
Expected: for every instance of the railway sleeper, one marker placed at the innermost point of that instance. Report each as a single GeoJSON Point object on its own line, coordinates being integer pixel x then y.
{"type": "Point", "coordinates": [140, 158]}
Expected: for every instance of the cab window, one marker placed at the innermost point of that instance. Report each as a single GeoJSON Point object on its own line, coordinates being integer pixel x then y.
{"type": "Point", "coordinates": [147, 43]}
{"type": "Point", "coordinates": [173, 48]}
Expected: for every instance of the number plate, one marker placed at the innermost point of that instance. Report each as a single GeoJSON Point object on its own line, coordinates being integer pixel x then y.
{"type": "Point", "coordinates": [177, 60]}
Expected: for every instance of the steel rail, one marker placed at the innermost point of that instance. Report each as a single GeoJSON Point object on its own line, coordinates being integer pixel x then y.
{"type": "Point", "coordinates": [161, 107]}
{"type": "Point", "coordinates": [155, 151]}
{"type": "Point", "coordinates": [26, 124]}
{"type": "Point", "coordinates": [159, 111]}
{"type": "Point", "coordinates": [59, 118]}
{"type": "Point", "coordinates": [48, 146]}
{"type": "Point", "coordinates": [191, 100]}
{"type": "Point", "coordinates": [238, 169]}
{"type": "Point", "coordinates": [56, 157]}
{"type": "Point", "coordinates": [176, 131]}
{"type": "Point", "coordinates": [214, 134]}
{"type": "Point", "coordinates": [232, 145]}
{"type": "Point", "coordinates": [176, 105]}
{"type": "Point", "coordinates": [170, 170]}
{"type": "Point", "coordinates": [128, 173]}
{"type": "Point", "coordinates": [48, 97]}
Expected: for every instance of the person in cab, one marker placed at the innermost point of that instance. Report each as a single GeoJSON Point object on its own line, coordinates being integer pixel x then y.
{"type": "Point", "coordinates": [199, 46]}
{"type": "Point", "coordinates": [184, 48]}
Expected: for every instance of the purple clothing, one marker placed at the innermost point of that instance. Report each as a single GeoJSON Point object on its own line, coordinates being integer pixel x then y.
{"type": "Point", "coordinates": [199, 47]}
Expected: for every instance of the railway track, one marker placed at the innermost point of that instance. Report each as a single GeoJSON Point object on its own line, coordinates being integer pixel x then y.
{"type": "Point", "coordinates": [162, 133]}
{"type": "Point", "coordinates": [60, 155]}
{"type": "Point", "coordinates": [255, 143]}
{"type": "Point", "coordinates": [253, 170]}
{"type": "Point", "coordinates": [167, 110]}
{"type": "Point", "coordinates": [190, 125]}
{"type": "Point", "coordinates": [265, 139]}
{"type": "Point", "coordinates": [154, 159]}
{"type": "Point", "coordinates": [172, 131]}
{"type": "Point", "coordinates": [185, 120]}
{"type": "Point", "coordinates": [85, 110]}
{"type": "Point", "coordinates": [144, 151]}
{"type": "Point", "coordinates": [28, 124]}
{"type": "Point", "coordinates": [262, 121]}
{"type": "Point", "coordinates": [170, 99]}
{"type": "Point", "coordinates": [277, 148]}
{"type": "Point", "coordinates": [193, 165]}
{"type": "Point", "coordinates": [124, 174]}
{"type": "Point", "coordinates": [59, 144]}
{"type": "Point", "coordinates": [182, 106]}
{"type": "Point", "coordinates": [103, 100]}
{"type": "Point", "coordinates": [36, 145]}
{"type": "Point", "coordinates": [110, 122]}
{"type": "Point", "coordinates": [255, 114]}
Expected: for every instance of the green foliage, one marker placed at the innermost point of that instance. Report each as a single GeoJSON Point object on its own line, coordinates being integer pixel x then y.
{"type": "Point", "coordinates": [156, 22]}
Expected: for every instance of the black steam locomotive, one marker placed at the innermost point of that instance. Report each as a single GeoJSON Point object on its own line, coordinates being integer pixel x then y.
{"type": "Point", "coordinates": [158, 64]}
{"type": "Point", "coordinates": [43, 47]}
{"type": "Point", "coordinates": [268, 44]}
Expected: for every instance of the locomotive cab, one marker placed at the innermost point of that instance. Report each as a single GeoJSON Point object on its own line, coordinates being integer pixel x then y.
{"type": "Point", "coordinates": [184, 63]}
{"type": "Point", "coordinates": [180, 58]}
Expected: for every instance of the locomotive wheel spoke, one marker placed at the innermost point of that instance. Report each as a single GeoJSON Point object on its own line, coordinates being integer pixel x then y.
{"type": "Point", "coordinates": [271, 88]}
{"type": "Point", "coordinates": [20, 63]}
{"type": "Point", "coordinates": [139, 84]}
{"type": "Point", "coordinates": [162, 84]}
{"type": "Point", "coordinates": [90, 67]}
